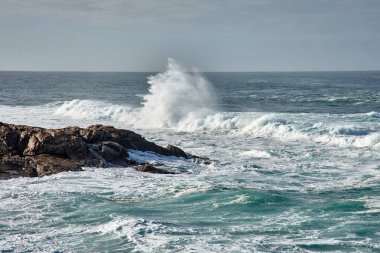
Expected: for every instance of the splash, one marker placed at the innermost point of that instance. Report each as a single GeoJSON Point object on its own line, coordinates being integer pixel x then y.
{"type": "Point", "coordinates": [176, 97]}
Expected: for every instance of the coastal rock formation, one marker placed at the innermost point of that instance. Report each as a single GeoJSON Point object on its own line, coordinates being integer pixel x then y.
{"type": "Point", "coordinates": [35, 151]}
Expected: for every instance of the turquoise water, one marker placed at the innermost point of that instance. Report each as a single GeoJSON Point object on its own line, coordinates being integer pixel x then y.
{"type": "Point", "coordinates": [297, 170]}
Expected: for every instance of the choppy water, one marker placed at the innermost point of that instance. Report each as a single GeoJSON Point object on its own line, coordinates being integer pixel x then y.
{"type": "Point", "coordinates": [298, 170]}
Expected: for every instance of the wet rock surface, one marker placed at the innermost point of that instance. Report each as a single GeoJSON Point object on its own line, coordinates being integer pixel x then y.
{"type": "Point", "coordinates": [27, 151]}
{"type": "Point", "coordinates": [152, 169]}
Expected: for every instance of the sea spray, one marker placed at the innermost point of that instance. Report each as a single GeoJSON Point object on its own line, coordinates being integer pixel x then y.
{"type": "Point", "coordinates": [177, 99]}
{"type": "Point", "coordinates": [175, 96]}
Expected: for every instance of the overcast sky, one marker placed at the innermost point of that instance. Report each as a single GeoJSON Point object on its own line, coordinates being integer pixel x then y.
{"type": "Point", "coordinates": [214, 35]}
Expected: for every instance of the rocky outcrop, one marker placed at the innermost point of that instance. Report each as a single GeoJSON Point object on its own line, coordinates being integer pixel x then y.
{"type": "Point", "coordinates": [34, 151]}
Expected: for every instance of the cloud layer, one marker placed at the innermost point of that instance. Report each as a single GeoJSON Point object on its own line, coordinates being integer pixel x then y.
{"type": "Point", "coordinates": [214, 34]}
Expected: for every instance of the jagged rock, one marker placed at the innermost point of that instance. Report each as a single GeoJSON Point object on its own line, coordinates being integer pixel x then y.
{"type": "Point", "coordinates": [34, 151]}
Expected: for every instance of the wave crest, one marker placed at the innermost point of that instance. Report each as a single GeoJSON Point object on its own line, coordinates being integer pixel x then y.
{"type": "Point", "coordinates": [284, 127]}
{"type": "Point", "coordinates": [92, 110]}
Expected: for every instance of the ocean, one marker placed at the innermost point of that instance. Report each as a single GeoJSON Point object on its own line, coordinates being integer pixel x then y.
{"type": "Point", "coordinates": [297, 163]}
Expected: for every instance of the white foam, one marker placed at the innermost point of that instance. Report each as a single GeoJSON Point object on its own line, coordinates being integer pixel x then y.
{"type": "Point", "coordinates": [200, 188]}
{"type": "Point", "coordinates": [92, 110]}
{"type": "Point", "coordinates": [142, 156]}
{"type": "Point", "coordinates": [373, 114]}
{"type": "Point", "coordinates": [371, 203]}
{"type": "Point", "coordinates": [238, 200]}
{"type": "Point", "coordinates": [241, 199]}
{"type": "Point", "coordinates": [276, 126]}
{"type": "Point", "coordinates": [344, 131]}
{"type": "Point", "coordinates": [175, 95]}
{"type": "Point", "coordinates": [289, 127]}
{"type": "Point", "coordinates": [256, 153]}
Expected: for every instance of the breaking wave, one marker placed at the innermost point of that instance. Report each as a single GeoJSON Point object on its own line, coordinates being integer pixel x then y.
{"type": "Point", "coordinates": [185, 101]}
{"type": "Point", "coordinates": [175, 96]}
{"type": "Point", "coordinates": [92, 110]}
{"type": "Point", "coordinates": [285, 127]}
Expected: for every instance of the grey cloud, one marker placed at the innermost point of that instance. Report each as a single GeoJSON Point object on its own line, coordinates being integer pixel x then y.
{"type": "Point", "coordinates": [115, 12]}
{"type": "Point", "coordinates": [224, 14]}
{"type": "Point", "coordinates": [212, 34]}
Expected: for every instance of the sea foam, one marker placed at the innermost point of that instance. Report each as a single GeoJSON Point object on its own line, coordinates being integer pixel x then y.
{"type": "Point", "coordinates": [92, 110]}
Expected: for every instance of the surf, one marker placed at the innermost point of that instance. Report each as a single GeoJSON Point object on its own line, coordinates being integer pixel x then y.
{"type": "Point", "coordinates": [175, 96]}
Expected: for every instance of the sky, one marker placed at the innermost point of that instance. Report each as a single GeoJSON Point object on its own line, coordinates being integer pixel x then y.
{"type": "Point", "coordinates": [213, 35]}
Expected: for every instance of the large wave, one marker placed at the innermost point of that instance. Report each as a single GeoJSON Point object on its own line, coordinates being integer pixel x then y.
{"type": "Point", "coordinates": [185, 101]}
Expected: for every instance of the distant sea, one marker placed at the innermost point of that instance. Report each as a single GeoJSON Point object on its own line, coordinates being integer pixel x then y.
{"type": "Point", "coordinates": [297, 170]}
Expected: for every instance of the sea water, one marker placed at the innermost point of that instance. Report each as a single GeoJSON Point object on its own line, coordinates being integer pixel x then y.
{"type": "Point", "coordinates": [297, 163]}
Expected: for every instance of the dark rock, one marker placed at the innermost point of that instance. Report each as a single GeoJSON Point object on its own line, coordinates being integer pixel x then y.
{"type": "Point", "coordinates": [202, 159]}
{"type": "Point", "coordinates": [33, 166]}
{"type": "Point", "coordinates": [151, 169]}
{"type": "Point", "coordinates": [47, 165]}
{"type": "Point", "coordinates": [112, 151]}
{"type": "Point", "coordinates": [176, 151]}
{"type": "Point", "coordinates": [34, 151]}
{"type": "Point", "coordinates": [15, 166]}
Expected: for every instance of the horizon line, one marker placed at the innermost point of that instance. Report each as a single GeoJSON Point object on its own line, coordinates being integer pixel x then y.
{"type": "Point", "coordinates": [218, 71]}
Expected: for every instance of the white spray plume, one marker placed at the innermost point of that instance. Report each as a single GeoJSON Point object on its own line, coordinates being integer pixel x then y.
{"type": "Point", "coordinates": [175, 96]}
